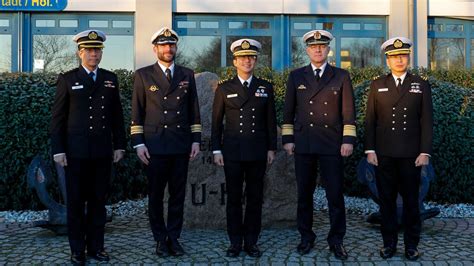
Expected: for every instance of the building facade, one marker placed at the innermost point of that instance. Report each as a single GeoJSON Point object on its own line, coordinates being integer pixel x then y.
{"type": "Point", "coordinates": [38, 39]}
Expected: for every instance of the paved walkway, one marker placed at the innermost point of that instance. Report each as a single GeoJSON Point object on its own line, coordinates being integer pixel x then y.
{"type": "Point", "coordinates": [445, 241]}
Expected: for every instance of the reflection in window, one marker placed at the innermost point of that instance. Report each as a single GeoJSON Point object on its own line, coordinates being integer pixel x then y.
{"type": "Point", "coordinates": [5, 53]}
{"type": "Point", "coordinates": [260, 25]}
{"type": "Point", "coordinates": [118, 53]}
{"type": "Point", "coordinates": [121, 24]}
{"type": "Point", "coordinates": [45, 23]}
{"type": "Point", "coordinates": [446, 53]}
{"type": "Point", "coordinates": [54, 53]}
{"type": "Point", "coordinates": [98, 24]}
{"type": "Point", "coordinates": [237, 25]}
{"type": "Point", "coordinates": [351, 26]}
{"type": "Point", "coordinates": [187, 24]}
{"type": "Point", "coordinates": [472, 53]}
{"type": "Point", "coordinates": [299, 57]}
{"type": "Point", "coordinates": [360, 52]}
{"type": "Point", "coordinates": [435, 27]}
{"type": "Point", "coordinates": [4, 23]}
{"type": "Point", "coordinates": [209, 24]}
{"type": "Point", "coordinates": [68, 23]}
{"type": "Point", "coordinates": [324, 26]}
{"type": "Point", "coordinates": [265, 56]}
{"type": "Point", "coordinates": [301, 26]}
{"type": "Point", "coordinates": [200, 53]}
{"type": "Point", "coordinates": [455, 27]}
{"type": "Point", "coordinates": [372, 26]}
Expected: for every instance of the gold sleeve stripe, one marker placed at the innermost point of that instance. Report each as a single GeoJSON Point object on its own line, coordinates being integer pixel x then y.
{"type": "Point", "coordinates": [196, 128]}
{"type": "Point", "coordinates": [287, 129]}
{"type": "Point", "coordinates": [136, 130]}
{"type": "Point", "coordinates": [349, 130]}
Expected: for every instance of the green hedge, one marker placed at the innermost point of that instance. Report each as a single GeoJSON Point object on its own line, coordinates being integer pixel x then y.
{"type": "Point", "coordinates": [25, 112]}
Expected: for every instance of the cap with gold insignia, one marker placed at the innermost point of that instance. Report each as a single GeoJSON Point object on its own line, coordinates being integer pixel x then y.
{"type": "Point", "coordinates": [164, 35]}
{"type": "Point", "coordinates": [396, 46]}
{"type": "Point", "coordinates": [245, 47]}
{"type": "Point", "coordinates": [90, 39]}
{"type": "Point", "coordinates": [317, 37]}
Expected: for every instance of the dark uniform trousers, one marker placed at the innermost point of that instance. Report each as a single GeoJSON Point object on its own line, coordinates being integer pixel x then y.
{"type": "Point", "coordinates": [87, 125]}
{"type": "Point", "coordinates": [249, 133]}
{"type": "Point", "coordinates": [399, 126]}
{"type": "Point", "coordinates": [319, 117]}
{"type": "Point", "coordinates": [166, 119]}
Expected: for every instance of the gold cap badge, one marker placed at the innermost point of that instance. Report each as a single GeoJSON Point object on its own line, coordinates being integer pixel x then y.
{"type": "Point", "coordinates": [92, 35]}
{"type": "Point", "coordinates": [317, 35]}
{"type": "Point", "coordinates": [397, 43]}
{"type": "Point", "coordinates": [167, 33]}
{"type": "Point", "coordinates": [245, 45]}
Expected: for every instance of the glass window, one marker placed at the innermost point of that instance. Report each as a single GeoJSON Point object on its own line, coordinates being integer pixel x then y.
{"type": "Point", "coordinates": [187, 24]}
{"type": "Point", "coordinates": [5, 53]}
{"type": "Point", "coordinates": [360, 52]}
{"type": "Point", "coordinates": [260, 25]}
{"type": "Point", "coordinates": [446, 53]}
{"type": "Point", "coordinates": [121, 24]}
{"type": "Point", "coordinates": [46, 23]}
{"type": "Point", "coordinates": [209, 24]}
{"type": "Point", "coordinates": [237, 25]}
{"type": "Point", "coordinates": [435, 27]}
{"type": "Point", "coordinates": [265, 56]}
{"type": "Point", "coordinates": [301, 26]}
{"type": "Point", "coordinates": [68, 23]}
{"type": "Point", "coordinates": [299, 57]}
{"type": "Point", "coordinates": [4, 23]}
{"type": "Point", "coordinates": [351, 26]}
{"type": "Point", "coordinates": [472, 53]}
{"type": "Point", "coordinates": [200, 53]}
{"type": "Point", "coordinates": [455, 27]}
{"type": "Point", "coordinates": [372, 26]}
{"type": "Point", "coordinates": [118, 53]}
{"type": "Point", "coordinates": [98, 23]}
{"type": "Point", "coordinates": [324, 26]}
{"type": "Point", "coordinates": [54, 53]}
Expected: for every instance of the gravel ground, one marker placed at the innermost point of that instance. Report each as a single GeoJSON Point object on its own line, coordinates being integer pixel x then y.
{"type": "Point", "coordinates": [353, 205]}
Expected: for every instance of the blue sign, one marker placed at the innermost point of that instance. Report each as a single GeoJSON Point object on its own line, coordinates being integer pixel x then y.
{"type": "Point", "coordinates": [32, 5]}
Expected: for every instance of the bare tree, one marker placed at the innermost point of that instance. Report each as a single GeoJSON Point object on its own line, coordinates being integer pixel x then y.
{"type": "Point", "coordinates": [56, 52]}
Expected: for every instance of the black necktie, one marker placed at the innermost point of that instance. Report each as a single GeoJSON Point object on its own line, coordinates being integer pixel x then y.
{"type": "Point", "coordinates": [316, 74]}
{"type": "Point", "coordinates": [399, 85]}
{"type": "Point", "coordinates": [92, 74]}
{"type": "Point", "coordinates": [246, 85]}
{"type": "Point", "coordinates": [168, 75]}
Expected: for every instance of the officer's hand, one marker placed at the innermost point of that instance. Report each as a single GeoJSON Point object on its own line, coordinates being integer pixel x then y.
{"type": "Point", "coordinates": [270, 157]}
{"type": "Point", "coordinates": [142, 153]}
{"type": "Point", "coordinates": [346, 149]}
{"type": "Point", "coordinates": [118, 155]}
{"type": "Point", "coordinates": [422, 159]}
{"type": "Point", "coordinates": [194, 151]}
{"type": "Point", "coordinates": [61, 159]}
{"type": "Point", "coordinates": [372, 158]}
{"type": "Point", "coordinates": [289, 148]}
{"type": "Point", "coordinates": [219, 159]}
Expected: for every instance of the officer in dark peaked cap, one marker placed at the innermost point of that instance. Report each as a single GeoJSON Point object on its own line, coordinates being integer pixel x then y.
{"type": "Point", "coordinates": [319, 127]}
{"type": "Point", "coordinates": [166, 133]}
{"type": "Point", "coordinates": [398, 141]}
{"type": "Point", "coordinates": [87, 134]}
{"type": "Point", "coordinates": [244, 145]}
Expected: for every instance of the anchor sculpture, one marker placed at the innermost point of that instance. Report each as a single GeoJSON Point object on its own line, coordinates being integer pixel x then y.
{"type": "Point", "coordinates": [38, 177]}
{"type": "Point", "coordinates": [366, 176]}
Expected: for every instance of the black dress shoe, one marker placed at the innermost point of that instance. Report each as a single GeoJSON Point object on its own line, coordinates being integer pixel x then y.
{"type": "Point", "coordinates": [387, 252]}
{"type": "Point", "coordinates": [175, 248]}
{"type": "Point", "coordinates": [304, 247]}
{"type": "Point", "coordinates": [412, 253]}
{"type": "Point", "coordinates": [253, 250]}
{"type": "Point", "coordinates": [100, 255]}
{"type": "Point", "coordinates": [162, 249]}
{"type": "Point", "coordinates": [78, 258]}
{"type": "Point", "coordinates": [233, 251]}
{"type": "Point", "coordinates": [339, 251]}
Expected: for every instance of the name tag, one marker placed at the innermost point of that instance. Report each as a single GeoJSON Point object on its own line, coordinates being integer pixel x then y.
{"type": "Point", "coordinates": [259, 94]}
{"type": "Point", "coordinates": [415, 91]}
{"type": "Point", "coordinates": [232, 95]}
{"type": "Point", "coordinates": [77, 87]}
{"type": "Point", "coordinates": [382, 89]}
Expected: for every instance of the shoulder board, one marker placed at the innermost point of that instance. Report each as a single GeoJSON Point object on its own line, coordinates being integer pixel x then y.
{"type": "Point", "coordinates": [424, 77]}
{"type": "Point", "coordinates": [266, 79]}
{"type": "Point", "coordinates": [376, 77]}
{"type": "Point", "coordinates": [222, 81]}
